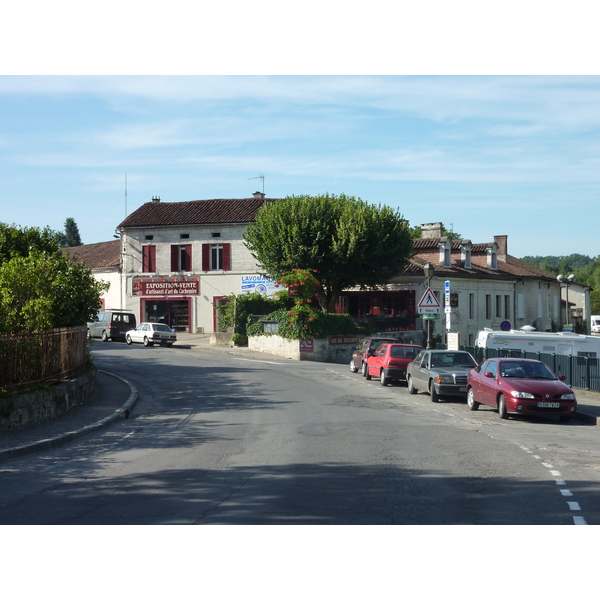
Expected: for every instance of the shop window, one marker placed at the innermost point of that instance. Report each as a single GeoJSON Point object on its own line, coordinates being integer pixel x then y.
{"type": "Point", "coordinates": [181, 257]}
{"type": "Point", "coordinates": [216, 257]}
{"type": "Point", "coordinates": [148, 259]}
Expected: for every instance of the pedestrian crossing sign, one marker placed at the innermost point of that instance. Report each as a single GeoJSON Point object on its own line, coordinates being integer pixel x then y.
{"type": "Point", "coordinates": [429, 304]}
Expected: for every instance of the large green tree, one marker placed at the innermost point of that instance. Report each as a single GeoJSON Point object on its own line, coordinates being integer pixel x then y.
{"type": "Point", "coordinates": [346, 241]}
{"type": "Point", "coordinates": [40, 286]}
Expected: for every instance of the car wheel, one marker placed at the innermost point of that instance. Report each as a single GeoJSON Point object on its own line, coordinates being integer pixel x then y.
{"type": "Point", "coordinates": [353, 367]}
{"type": "Point", "coordinates": [364, 369]}
{"type": "Point", "coordinates": [433, 393]}
{"type": "Point", "coordinates": [383, 379]}
{"type": "Point", "coordinates": [411, 388]}
{"type": "Point", "coordinates": [128, 340]}
{"type": "Point", "coordinates": [502, 407]}
{"type": "Point", "coordinates": [105, 337]}
{"type": "Point", "coordinates": [147, 342]}
{"type": "Point", "coordinates": [471, 402]}
{"type": "Point", "coordinates": [367, 374]}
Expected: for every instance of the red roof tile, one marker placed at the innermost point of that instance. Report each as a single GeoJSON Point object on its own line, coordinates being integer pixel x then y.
{"type": "Point", "coordinates": [100, 255]}
{"type": "Point", "coordinates": [195, 212]}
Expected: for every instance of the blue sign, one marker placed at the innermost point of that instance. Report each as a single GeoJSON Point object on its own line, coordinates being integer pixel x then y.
{"type": "Point", "coordinates": [505, 326]}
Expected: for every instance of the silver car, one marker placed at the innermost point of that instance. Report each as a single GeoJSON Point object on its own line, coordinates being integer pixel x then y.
{"type": "Point", "coordinates": [440, 373]}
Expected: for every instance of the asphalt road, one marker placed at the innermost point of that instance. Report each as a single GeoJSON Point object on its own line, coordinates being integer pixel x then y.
{"type": "Point", "coordinates": [227, 440]}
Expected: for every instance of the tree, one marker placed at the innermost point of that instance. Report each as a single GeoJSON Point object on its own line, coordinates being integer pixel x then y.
{"type": "Point", "coordinates": [20, 241]}
{"type": "Point", "coordinates": [40, 286]}
{"type": "Point", "coordinates": [344, 240]}
{"type": "Point", "coordinates": [70, 238]}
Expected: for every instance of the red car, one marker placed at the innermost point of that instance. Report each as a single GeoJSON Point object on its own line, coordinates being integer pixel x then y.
{"type": "Point", "coordinates": [389, 362]}
{"type": "Point", "coordinates": [517, 386]}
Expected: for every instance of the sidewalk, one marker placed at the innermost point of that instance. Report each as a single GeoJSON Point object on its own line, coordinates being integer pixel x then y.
{"type": "Point", "coordinates": [114, 399]}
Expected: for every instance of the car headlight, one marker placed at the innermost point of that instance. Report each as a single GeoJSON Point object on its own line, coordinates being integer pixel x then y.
{"type": "Point", "coordinates": [444, 379]}
{"type": "Point", "coordinates": [516, 394]}
{"type": "Point", "coordinates": [570, 396]}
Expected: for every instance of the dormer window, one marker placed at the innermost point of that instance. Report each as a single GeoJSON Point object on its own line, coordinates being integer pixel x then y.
{"type": "Point", "coordinates": [492, 256]}
{"type": "Point", "coordinates": [445, 248]}
{"type": "Point", "coordinates": [465, 253]}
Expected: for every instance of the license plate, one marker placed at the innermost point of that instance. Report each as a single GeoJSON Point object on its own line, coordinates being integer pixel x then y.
{"type": "Point", "coordinates": [548, 405]}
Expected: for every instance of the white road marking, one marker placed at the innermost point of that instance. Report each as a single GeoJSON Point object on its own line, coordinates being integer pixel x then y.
{"type": "Point", "coordinates": [555, 473]}
{"type": "Point", "coordinates": [548, 465]}
{"type": "Point", "coordinates": [566, 493]}
{"type": "Point", "coordinates": [579, 521]}
{"type": "Point", "coordinates": [574, 505]}
{"type": "Point", "coordinates": [268, 362]}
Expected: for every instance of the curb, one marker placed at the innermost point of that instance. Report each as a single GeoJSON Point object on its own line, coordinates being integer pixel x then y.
{"type": "Point", "coordinates": [65, 438]}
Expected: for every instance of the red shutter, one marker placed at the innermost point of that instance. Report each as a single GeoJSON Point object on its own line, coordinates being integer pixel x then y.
{"type": "Point", "coordinates": [226, 257]}
{"type": "Point", "coordinates": [148, 259]}
{"type": "Point", "coordinates": [188, 258]}
{"type": "Point", "coordinates": [174, 258]}
{"type": "Point", "coordinates": [206, 257]}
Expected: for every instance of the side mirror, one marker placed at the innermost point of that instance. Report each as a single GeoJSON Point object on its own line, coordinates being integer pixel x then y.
{"type": "Point", "coordinates": [489, 374]}
{"type": "Point", "coordinates": [562, 377]}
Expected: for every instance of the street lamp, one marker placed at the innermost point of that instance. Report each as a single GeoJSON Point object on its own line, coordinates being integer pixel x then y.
{"type": "Point", "coordinates": [566, 281]}
{"type": "Point", "coordinates": [428, 269]}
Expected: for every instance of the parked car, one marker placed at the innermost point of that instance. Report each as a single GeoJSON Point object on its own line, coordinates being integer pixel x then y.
{"type": "Point", "coordinates": [440, 373]}
{"type": "Point", "coordinates": [389, 362]}
{"type": "Point", "coordinates": [517, 386]}
{"type": "Point", "coordinates": [150, 334]}
{"type": "Point", "coordinates": [368, 345]}
{"type": "Point", "coordinates": [111, 324]}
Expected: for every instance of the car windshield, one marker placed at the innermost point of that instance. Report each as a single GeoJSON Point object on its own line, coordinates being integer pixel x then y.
{"type": "Point", "coordinates": [526, 370]}
{"type": "Point", "coordinates": [160, 327]}
{"type": "Point", "coordinates": [452, 359]}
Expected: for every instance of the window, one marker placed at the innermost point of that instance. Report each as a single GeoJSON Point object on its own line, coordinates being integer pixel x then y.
{"type": "Point", "coordinates": [498, 307]}
{"type": "Point", "coordinates": [216, 234]}
{"type": "Point", "coordinates": [488, 306]}
{"type": "Point", "coordinates": [507, 306]}
{"type": "Point", "coordinates": [181, 257]}
{"type": "Point", "coordinates": [148, 259]}
{"type": "Point", "coordinates": [184, 236]}
{"type": "Point", "coordinates": [471, 306]}
{"type": "Point", "coordinates": [149, 237]}
{"type": "Point", "coordinates": [216, 257]}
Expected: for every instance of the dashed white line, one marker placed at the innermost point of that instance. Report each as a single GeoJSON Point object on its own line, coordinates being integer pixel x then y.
{"type": "Point", "coordinates": [574, 505]}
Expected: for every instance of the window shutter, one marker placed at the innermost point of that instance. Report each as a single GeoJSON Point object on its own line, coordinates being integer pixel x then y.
{"type": "Point", "coordinates": [226, 257]}
{"type": "Point", "coordinates": [174, 258]}
{"type": "Point", "coordinates": [206, 257]}
{"type": "Point", "coordinates": [148, 259]}
{"type": "Point", "coordinates": [188, 257]}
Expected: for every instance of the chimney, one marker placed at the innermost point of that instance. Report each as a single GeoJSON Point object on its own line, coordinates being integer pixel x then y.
{"type": "Point", "coordinates": [431, 230]}
{"type": "Point", "coordinates": [501, 240]}
{"type": "Point", "coordinates": [155, 198]}
{"type": "Point", "coordinates": [258, 195]}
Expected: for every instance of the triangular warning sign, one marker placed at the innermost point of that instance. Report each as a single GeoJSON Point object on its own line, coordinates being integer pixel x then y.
{"type": "Point", "coordinates": [429, 300]}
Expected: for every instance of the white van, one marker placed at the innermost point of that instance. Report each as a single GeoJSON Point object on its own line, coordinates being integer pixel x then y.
{"type": "Point", "coordinates": [595, 323]}
{"type": "Point", "coordinates": [565, 343]}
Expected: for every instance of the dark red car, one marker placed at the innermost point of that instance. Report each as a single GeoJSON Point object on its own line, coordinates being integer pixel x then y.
{"type": "Point", "coordinates": [389, 362]}
{"type": "Point", "coordinates": [517, 386]}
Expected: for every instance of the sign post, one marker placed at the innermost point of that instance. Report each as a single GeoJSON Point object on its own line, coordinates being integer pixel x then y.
{"type": "Point", "coordinates": [447, 307]}
{"type": "Point", "coordinates": [428, 306]}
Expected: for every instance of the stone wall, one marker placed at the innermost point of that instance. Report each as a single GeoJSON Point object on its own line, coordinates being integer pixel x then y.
{"type": "Point", "coordinates": [315, 350]}
{"type": "Point", "coordinates": [38, 406]}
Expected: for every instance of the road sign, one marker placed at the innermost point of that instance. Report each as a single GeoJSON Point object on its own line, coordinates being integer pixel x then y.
{"type": "Point", "coordinates": [429, 317]}
{"type": "Point", "coordinates": [429, 304]}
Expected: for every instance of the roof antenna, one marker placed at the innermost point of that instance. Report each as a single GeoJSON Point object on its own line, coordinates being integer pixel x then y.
{"type": "Point", "coordinates": [125, 194]}
{"type": "Point", "coordinates": [259, 177]}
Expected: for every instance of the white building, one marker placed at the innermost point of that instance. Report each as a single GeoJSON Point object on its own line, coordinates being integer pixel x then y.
{"type": "Point", "coordinates": [182, 259]}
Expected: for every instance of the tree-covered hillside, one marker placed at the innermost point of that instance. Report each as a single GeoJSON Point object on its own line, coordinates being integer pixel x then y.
{"type": "Point", "coordinates": [585, 269]}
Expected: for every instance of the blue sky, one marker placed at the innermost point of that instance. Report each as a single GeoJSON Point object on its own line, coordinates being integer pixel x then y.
{"type": "Point", "coordinates": [515, 155]}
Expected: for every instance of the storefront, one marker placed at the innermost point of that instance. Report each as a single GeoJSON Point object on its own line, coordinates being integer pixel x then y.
{"type": "Point", "coordinates": [167, 300]}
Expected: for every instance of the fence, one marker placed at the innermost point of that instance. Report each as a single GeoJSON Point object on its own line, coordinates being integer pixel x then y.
{"type": "Point", "coordinates": [27, 359]}
{"type": "Point", "coordinates": [581, 372]}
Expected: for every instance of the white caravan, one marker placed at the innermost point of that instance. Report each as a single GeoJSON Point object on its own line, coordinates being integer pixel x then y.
{"type": "Point", "coordinates": [565, 343]}
{"type": "Point", "coordinates": [595, 323]}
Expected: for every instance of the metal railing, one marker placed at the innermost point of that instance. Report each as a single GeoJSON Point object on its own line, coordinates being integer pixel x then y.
{"type": "Point", "coordinates": [28, 359]}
